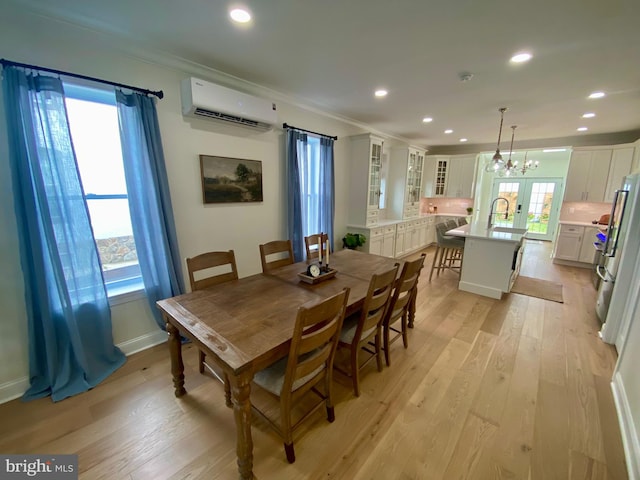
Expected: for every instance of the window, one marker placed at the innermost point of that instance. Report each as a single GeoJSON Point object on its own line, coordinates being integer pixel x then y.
{"type": "Point", "coordinates": [93, 121]}
{"type": "Point", "coordinates": [310, 188]}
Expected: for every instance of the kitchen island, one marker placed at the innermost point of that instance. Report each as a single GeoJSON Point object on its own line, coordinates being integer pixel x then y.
{"type": "Point", "coordinates": [492, 258]}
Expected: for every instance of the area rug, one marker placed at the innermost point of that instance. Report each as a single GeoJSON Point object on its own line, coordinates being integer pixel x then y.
{"type": "Point", "coordinates": [536, 287]}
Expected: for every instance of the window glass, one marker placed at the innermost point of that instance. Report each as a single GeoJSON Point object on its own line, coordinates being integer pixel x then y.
{"type": "Point", "coordinates": [93, 121]}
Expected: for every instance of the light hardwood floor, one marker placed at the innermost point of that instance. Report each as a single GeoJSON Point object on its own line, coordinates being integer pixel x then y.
{"type": "Point", "coordinates": [510, 389]}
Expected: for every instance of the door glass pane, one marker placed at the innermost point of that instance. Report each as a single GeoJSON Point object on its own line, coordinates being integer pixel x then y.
{"type": "Point", "coordinates": [508, 190]}
{"type": "Point", "coordinates": [539, 207]}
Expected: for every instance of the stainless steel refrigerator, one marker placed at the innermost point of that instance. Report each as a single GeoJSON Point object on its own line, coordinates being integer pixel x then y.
{"type": "Point", "coordinates": [621, 252]}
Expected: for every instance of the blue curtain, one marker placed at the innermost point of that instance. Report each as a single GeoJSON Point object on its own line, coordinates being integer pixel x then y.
{"type": "Point", "coordinates": [70, 339]}
{"type": "Point", "coordinates": [295, 155]}
{"type": "Point", "coordinates": [311, 201]}
{"type": "Point", "coordinates": [149, 200]}
{"type": "Point", "coordinates": [326, 188]}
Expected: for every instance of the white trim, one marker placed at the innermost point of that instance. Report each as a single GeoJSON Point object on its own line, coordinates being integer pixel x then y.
{"type": "Point", "coordinates": [630, 440]}
{"type": "Point", "coordinates": [143, 342]}
{"type": "Point", "coordinates": [16, 388]}
{"type": "Point", "coordinates": [480, 290]}
{"type": "Point", "coordinates": [13, 389]}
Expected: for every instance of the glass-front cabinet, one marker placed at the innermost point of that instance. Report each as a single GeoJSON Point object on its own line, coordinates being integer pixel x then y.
{"type": "Point", "coordinates": [365, 183]}
{"type": "Point", "coordinates": [405, 178]}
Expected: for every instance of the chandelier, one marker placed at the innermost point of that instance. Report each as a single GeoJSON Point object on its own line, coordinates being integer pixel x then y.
{"type": "Point", "coordinates": [496, 164]}
{"type": "Point", "coordinates": [527, 165]}
{"type": "Point", "coordinates": [510, 169]}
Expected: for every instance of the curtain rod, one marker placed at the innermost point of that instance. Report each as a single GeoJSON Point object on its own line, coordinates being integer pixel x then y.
{"type": "Point", "coordinates": [5, 63]}
{"type": "Point", "coordinates": [284, 125]}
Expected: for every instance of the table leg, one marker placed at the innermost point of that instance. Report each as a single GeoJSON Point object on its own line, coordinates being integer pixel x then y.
{"type": "Point", "coordinates": [241, 389]}
{"type": "Point", "coordinates": [177, 367]}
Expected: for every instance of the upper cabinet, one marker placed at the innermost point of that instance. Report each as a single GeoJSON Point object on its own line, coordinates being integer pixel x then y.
{"type": "Point", "coordinates": [405, 182]}
{"type": "Point", "coordinates": [461, 173]}
{"type": "Point", "coordinates": [587, 175]}
{"type": "Point", "coordinates": [620, 167]}
{"type": "Point", "coordinates": [596, 173]}
{"type": "Point", "coordinates": [450, 176]}
{"type": "Point", "coordinates": [366, 173]}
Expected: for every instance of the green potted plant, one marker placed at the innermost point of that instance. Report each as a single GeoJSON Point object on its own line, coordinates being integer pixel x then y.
{"type": "Point", "coordinates": [469, 210]}
{"type": "Point", "coordinates": [353, 240]}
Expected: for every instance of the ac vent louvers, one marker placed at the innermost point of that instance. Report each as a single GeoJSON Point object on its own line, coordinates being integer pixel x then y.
{"type": "Point", "coordinates": [207, 100]}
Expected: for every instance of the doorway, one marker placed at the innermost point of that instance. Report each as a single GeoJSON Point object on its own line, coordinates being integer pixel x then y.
{"type": "Point", "coordinates": [534, 204]}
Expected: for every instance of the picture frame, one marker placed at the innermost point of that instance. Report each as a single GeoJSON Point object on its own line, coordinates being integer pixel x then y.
{"type": "Point", "coordinates": [230, 180]}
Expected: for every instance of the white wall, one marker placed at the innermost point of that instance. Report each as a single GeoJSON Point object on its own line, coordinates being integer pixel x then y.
{"type": "Point", "coordinates": [35, 40]}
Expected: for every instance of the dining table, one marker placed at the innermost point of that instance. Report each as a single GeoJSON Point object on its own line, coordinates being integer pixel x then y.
{"type": "Point", "coordinates": [246, 325]}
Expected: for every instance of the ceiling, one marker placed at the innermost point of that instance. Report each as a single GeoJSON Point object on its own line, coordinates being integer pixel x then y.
{"type": "Point", "coordinates": [332, 55]}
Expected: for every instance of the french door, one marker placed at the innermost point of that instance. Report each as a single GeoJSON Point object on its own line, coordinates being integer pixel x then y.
{"type": "Point", "coordinates": [534, 204]}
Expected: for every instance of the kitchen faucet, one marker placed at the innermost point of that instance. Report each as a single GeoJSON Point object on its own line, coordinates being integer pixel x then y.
{"type": "Point", "coordinates": [491, 214]}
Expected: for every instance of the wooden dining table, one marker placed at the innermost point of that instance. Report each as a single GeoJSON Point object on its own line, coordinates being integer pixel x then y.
{"type": "Point", "coordinates": [246, 325]}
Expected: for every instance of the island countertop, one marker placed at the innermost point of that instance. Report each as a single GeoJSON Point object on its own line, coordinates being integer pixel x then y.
{"type": "Point", "coordinates": [477, 230]}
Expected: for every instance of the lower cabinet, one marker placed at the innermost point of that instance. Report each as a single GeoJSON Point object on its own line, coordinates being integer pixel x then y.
{"type": "Point", "coordinates": [398, 238]}
{"type": "Point", "coordinates": [574, 243]}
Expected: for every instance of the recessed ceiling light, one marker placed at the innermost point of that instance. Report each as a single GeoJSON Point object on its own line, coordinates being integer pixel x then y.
{"type": "Point", "coordinates": [381, 93]}
{"type": "Point", "coordinates": [240, 15]}
{"type": "Point", "coordinates": [589, 115]}
{"type": "Point", "coordinates": [597, 95]}
{"type": "Point", "coordinates": [427, 120]}
{"type": "Point", "coordinates": [551, 150]}
{"type": "Point", "coordinates": [448, 131]}
{"type": "Point", "coordinates": [582, 129]}
{"type": "Point", "coordinates": [521, 57]}
{"type": "Point", "coordinates": [463, 139]}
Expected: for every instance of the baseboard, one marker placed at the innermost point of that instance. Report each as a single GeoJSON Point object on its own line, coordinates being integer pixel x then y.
{"type": "Point", "coordinates": [630, 439]}
{"type": "Point", "coordinates": [480, 290]}
{"type": "Point", "coordinates": [15, 388]}
{"type": "Point", "coordinates": [143, 342]}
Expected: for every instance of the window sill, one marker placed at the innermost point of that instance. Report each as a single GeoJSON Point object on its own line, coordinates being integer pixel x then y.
{"type": "Point", "coordinates": [125, 291]}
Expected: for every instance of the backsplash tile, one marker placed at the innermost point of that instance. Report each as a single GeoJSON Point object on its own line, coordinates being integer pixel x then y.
{"type": "Point", "coordinates": [448, 205]}
{"type": "Point", "coordinates": [583, 211]}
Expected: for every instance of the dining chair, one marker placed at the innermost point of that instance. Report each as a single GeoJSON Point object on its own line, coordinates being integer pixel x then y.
{"type": "Point", "coordinates": [362, 330]}
{"type": "Point", "coordinates": [312, 244]}
{"type": "Point", "coordinates": [280, 248]}
{"type": "Point", "coordinates": [224, 263]}
{"type": "Point", "coordinates": [307, 368]}
{"type": "Point", "coordinates": [400, 303]}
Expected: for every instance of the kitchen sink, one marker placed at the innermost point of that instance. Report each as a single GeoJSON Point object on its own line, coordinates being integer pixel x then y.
{"type": "Point", "coordinates": [517, 231]}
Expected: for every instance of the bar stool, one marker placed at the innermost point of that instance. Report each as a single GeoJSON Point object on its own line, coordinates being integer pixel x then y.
{"type": "Point", "coordinates": [449, 250]}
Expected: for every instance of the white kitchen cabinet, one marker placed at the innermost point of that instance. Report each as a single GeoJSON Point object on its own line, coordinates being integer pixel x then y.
{"type": "Point", "coordinates": [435, 175]}
{"type": "Point", "coordinates": [460, 176]}
{"type": "Point", "coordinates": [620, 167]}
{"type": "Point", "coordinates": [568, 242]}
{"type": "Point", "coordinates": [587, 175]}
{"type": "Point", "coordinates": [430, 235]}
{"type": "Point", "coordinates": [587, 250]}
{"type": "Point", "coordinates": [401, 239]}
{"type": "Point", "coordinates": [380, 239]}
{"type": "Point", "coordinates": [364, 185]}
{"type": "Point", "coordinates": [405, 182]}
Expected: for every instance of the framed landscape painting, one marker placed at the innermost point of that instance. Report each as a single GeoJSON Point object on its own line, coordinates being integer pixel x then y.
{"type": "Point", "coordinates": [230, 180]}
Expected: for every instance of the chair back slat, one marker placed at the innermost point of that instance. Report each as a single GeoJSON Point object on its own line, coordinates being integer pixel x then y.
{"type": "Point", "coordinates": [312, 244]}
{"type": "Point", "coordinates": [282, 248]}
{"type": "Point", "coordinates": [211, 260]}
{"type": "Point", "coordinates": [377, 300]}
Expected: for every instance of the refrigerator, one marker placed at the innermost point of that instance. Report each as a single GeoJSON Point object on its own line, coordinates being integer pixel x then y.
{"type": "Point", "coordinates": [620, 252]}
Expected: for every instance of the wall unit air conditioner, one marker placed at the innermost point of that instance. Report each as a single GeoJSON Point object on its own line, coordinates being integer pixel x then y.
{"type": "Point", "coordinates": [207, 100]}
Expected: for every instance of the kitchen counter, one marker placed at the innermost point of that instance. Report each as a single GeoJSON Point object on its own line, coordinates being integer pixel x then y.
{"type": "Point", "coordinates": [582, 224]}
{"type": "Point", "coordinates": [476, 230]}
{"type": "Point", "coordinates": [491, 260]}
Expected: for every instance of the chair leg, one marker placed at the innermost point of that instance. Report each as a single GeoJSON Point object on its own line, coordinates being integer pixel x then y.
{"type": "Point", "coordinates": [386, 345]}
{"type": "Point", "coordinates": [355, 371]}
{"type": "Point", "coordinates": [201, 356]}
{"type": "Point", "coordinates": [435, 259]}
{"type": "Point", "coordinates": [405, 338]}
{"type": "Point", "coordinates": [291, 454]}
{"type": "Point", "coordinates": [331, 415]}
{"type": "Point", "coordinates": [379, 349]}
